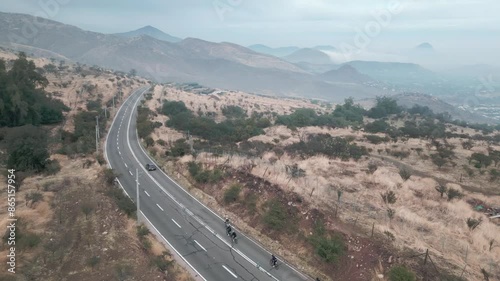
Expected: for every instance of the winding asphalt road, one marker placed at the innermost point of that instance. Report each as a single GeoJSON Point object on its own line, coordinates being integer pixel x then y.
{"type": "Point", "coordinates": [194, 232]}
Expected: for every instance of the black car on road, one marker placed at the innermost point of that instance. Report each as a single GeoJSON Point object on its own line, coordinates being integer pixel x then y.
{"type": "Point", "coordinates": [150, 167]}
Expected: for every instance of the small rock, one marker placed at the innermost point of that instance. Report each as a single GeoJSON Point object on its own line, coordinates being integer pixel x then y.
{"type": "Point", "coordinates": [104, 233]}
{"type": "Point", "coordinates": [380, 276]}
{"type": "Point", "coordinates": [390, 259]}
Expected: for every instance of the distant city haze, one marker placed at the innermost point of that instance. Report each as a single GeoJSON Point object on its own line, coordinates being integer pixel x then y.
{"type": "Point", "coordinates": [461, 32]}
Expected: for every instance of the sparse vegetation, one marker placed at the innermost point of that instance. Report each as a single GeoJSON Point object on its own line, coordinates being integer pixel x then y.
{"type": "Point", "coordinates": [453, 193]}
{"type": "Point", "coordinates": [389, 197]}
{"type": "Point", "coordinates": [404, 173]}
{"type": "Point", "coordinates": [204, 176]}
{"type": "Point", "coordinates": [276, 217]}
{"type": "Point", "coordinates": [401, 273]}
{"type": "Point", "coordinates": [231, 195]}
{"type": "Point", "coordinates": [324, 144]}
{"type": "Point", "coordinates": [473, 223]}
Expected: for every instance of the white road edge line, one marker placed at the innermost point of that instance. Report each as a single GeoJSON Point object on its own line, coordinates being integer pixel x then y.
{"type": "Point", "coordinates": [147, 193]}
{"type": "Point", "coordinates": [125, 163]}
{"type": "Point", "coordinates": [234, 275]}
{"type": "Point", "coordinates": [176, 223]}
{"type": "Point", "coordinates": [144, 216]}
{"type": "Point", "coordinates": [130, 173]}
{"type": "Point", "coordinates": [199, 245]}
{"type": "Point", "coordinates": [159, 207]}
{"type": "Point", "coordinates": [182, 206]}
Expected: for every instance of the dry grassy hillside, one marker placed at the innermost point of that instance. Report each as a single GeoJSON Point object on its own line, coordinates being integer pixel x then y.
{"type": "Point", "coordinates": [76, 84]}
{"type": "Point", "coordinates": [70, 223]}
{"type": "Point", "coordinates": [422, 219]}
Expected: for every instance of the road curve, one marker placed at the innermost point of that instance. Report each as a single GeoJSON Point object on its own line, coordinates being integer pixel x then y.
{"type": "Point", "coordinates": [191, 229]}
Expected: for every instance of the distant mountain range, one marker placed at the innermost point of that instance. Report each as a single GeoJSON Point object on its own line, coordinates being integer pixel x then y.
{"type": "Point", "coordinates": [150, 31]}
{"type": "Point", "coordinates": [345, 74]}
{"type": "Point", "coordinates": [219, 65]}
{"type": "Point", "coordinates": [395, 73]}
{"type": "Point", "coordinates": [425, 46]}
{"type": "Point", "coordinates": [277, 52]}
{"type": "Point", "coordinates": [308, 55]}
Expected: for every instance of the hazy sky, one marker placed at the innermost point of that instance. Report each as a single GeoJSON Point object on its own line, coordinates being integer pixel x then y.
{"type": "Point", "coordinates": [466, 28]}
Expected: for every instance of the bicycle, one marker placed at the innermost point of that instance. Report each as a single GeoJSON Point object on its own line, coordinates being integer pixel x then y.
{"type": "Point", "coordinates": [273, 263]}
{"type": "Point", "coordinates": [234, 238]}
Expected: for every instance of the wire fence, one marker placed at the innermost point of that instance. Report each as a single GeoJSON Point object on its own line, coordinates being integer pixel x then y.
{"type": "Point", "coordinates": [425, 261]}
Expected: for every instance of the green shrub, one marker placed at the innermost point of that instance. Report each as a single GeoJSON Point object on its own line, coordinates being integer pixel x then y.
{"type": "Point", "coordinates": [109, 176]}
{"type": "Point", "coordinates": [454, 193]}
{"type": "Point", "coordinates": [233, 111]}
{"type": "Point", "coordinates": [401, 273]}
{"type": "Point", "coordinates": [93, 261]}
{"type": "Point", "coordinates": [276, 216]}
{"type": "Point", "coordinates": [385, 106]}
{"type": "Point", "coordinates": [124, 202]}
{"type": "Point", "coordinates": [404, 173]}
{"type": "Point", "coordinates": [335, 147]}
{"type": "Point", "coordinates": [149, 141]}
{"type": "Point", "coordinates": [231, 195]}
{"type": "Point", "coordinates": [376, 139]}
{"type": "Point", "coordinates": [215, 175]}
{"type": "Point", "coordinates": [142, 230]}
{"type": "Point", "coordinates": [52, 167]}
{"type": "Point", "coordinates": [251, 202]}
{"type": "Point", "coordinates": [27, 148]}
{"type": "Point", "coordinates": [29, 240]}
{"type": "Point", "coordinates": [194, 168]}
{"type": "Point", "coordinates": [329, 248]}
{"type": "Point", "coordinates": [100, 159]}
{"type": "Point", "coordinates": [162, 263]}
{"type": "Point", "coordinates": [179, 149]}
{"type": "Point", "coordinates": [202, 177]}
{"type": "Point", "coordinates": [94, 105]}
{"type": "Point", "coordinates": [377, 126]}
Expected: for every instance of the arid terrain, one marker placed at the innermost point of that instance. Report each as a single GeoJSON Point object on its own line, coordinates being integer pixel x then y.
{"type": "Point", "coordinates": [71, 221]}
{"type": "Point", "coordinates": [422, 218]}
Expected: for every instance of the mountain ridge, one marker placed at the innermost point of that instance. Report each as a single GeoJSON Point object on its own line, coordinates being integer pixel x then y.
{"type": "Point", "coordinates": [150, 31]}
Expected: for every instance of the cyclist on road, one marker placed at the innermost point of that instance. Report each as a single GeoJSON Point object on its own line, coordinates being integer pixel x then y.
{"type": "Point", "coordinates": [228, 230]}
{"type": "Point", "coordinates": [227, 222]}
{"type": "Point", "coordinates": [274, 260]}
{"type": "Point", "coordinates": [233, 235]}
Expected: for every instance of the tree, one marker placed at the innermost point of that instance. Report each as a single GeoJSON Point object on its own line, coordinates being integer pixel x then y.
{"type": "Point", "coordinates": [385, 106]}
{"type": "Point", "coordinates": [27, 148]}
{"type": "Point", "coordinates": [438, 160]}
{"type": "Point", "coordinates": [442, 189]}
{"type": "Point", "coordinates": [23, 98]}
{"type": "Point", "coordinates": [132, 72]}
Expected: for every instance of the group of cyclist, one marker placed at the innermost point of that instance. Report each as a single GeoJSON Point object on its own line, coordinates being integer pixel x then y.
{"type": "Point", "coordinates": [229, 231]}
{"type": "Point", "coordinates": [232, 234]}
